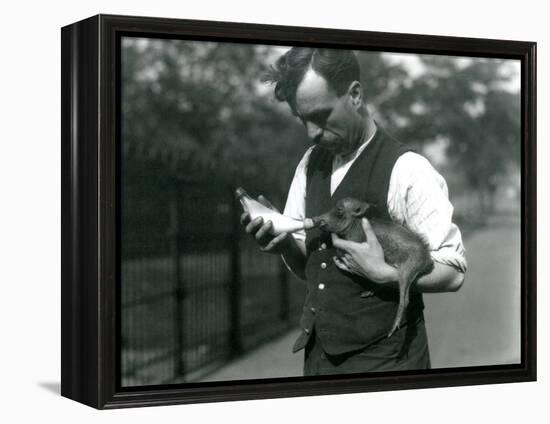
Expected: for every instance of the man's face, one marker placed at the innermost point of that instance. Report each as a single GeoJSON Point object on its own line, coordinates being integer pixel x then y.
{"type": "Point", "coordinates": [332, 122]}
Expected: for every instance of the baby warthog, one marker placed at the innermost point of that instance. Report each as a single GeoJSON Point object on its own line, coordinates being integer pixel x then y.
{"type": "Point", "coordinates": [402, 248]}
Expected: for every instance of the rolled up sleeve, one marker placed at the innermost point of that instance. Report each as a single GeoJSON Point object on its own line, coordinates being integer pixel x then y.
{"type": "Point", "coordinates": [295, 206]}
{"type": "Point", "coordinates": [418, 198]}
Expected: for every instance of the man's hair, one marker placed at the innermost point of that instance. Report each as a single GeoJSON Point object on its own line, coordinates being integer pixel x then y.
{"type": "Point", "coordinates": [338, 67]}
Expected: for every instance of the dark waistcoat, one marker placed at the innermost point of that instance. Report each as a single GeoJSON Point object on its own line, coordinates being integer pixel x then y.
{"type": "Point", "coordinates": [348, 312]}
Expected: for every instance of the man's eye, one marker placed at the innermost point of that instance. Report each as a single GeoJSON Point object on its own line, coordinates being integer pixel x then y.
{"type": "Point", "coordinates": [320, 118]}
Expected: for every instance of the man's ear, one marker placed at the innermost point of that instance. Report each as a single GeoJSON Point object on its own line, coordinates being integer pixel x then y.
{"type": "Point", "coordinates": [355, 92]}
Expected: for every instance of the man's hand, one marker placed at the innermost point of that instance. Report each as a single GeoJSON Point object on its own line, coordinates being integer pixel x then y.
{"type": "Point", "coordinates": [260, 230]}
{"type": "Point", "coordinates": [365, 259]}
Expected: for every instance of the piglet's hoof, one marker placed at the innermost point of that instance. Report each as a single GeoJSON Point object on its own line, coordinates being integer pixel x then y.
{"type": "Point", "coordinates": [393, 330]}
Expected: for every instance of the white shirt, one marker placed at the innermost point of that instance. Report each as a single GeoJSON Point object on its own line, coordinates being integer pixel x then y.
{"type": "Point", "coordinates": [417, 198]}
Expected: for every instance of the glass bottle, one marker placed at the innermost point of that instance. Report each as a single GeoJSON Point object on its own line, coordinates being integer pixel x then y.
{"type": "Point", "coordinates": [280, 222]}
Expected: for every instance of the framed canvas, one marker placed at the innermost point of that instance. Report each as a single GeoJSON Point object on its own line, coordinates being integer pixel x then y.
{"type": "Point", "coordinates": [165, 297]}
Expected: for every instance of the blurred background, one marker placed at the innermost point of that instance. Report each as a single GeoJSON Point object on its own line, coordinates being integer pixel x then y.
{"type": "Point", "coordinates": [199, 301]}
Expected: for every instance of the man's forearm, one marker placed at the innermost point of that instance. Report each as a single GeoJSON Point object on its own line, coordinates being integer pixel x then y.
{"type": "Point", "coordinates": [443, 278]}
{"type": "Point", "coordinates": [294, 256]}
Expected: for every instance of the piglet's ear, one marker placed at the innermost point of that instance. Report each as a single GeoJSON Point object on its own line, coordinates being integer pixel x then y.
{"type": "Point", "coordinates": [361, 209]}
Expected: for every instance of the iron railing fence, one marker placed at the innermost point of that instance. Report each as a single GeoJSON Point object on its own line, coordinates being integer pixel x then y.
{"type": "Point", "coordinates": [196, 291]}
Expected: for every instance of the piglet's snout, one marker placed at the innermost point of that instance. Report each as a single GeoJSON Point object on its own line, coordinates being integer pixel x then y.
{"type": "Point", "coordinates": [320, 221]}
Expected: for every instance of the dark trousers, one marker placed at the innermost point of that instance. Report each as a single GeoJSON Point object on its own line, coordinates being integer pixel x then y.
{"type": "Point", "coordinates": [406, 349]}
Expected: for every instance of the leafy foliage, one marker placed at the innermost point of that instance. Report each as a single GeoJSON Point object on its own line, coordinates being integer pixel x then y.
{"type": "Point", "coordinates": [197, 110]}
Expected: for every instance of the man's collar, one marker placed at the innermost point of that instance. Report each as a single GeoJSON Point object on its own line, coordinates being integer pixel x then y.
{"type": "Point", "coordinates": [351, 156]}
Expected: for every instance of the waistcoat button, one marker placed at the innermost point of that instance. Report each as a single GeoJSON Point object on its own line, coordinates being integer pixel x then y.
{"type": "Point", "coordinates": [323, 265]}
{"type": "Point", "coordinates": [321, 286]}
{"type": "Point", "coordinates": [366, 293]}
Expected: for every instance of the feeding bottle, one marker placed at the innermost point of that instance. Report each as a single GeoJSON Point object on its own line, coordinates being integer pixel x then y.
{"type": "Point", "coordinates": [281, 223]}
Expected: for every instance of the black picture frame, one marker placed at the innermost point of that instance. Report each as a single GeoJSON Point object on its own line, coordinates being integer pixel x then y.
{"type": "Point", "coordinates": [90, 132]}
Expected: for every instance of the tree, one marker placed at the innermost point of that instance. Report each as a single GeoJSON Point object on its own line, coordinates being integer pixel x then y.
{"type": "Point", "coordinates": [198, 108]}
{"type": "Point", "coordinates": [465, 102]}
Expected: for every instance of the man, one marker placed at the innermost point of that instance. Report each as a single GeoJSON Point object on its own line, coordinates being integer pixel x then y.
{"type": "Point", "coordinates": [351, 302]}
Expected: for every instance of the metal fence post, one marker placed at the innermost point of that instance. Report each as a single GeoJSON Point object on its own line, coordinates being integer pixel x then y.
{"type": "Point", "coordinates": [235, 295]}
{"type": "Point", "coordinates": [175, 254]}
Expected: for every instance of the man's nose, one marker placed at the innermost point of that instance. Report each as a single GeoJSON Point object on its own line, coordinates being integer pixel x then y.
{"type": "Point", "coordinates": [314, 132]}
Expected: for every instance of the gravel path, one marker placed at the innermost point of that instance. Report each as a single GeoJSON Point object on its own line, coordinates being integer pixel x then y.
{"type": "Point", "coordinates": [480, 324]}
